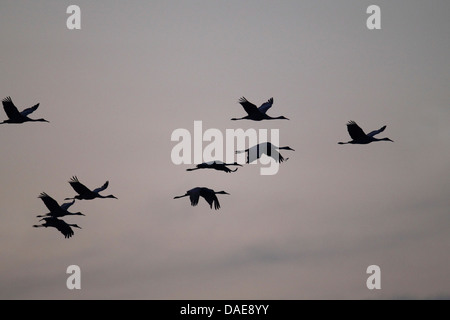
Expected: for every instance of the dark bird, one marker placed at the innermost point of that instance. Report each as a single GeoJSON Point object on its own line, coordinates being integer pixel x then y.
{"type": "Point", "coordinates": [255, 113]}
{"type": "Point", "coordinates": [360, 137]}
{"type": "Point", "coordinates": [266, 148]}
{"type": "Point", "coordinates": [59, 224]}
{"type": "Point", "coordinates": [208, 194]}
{"type": "Point", "coordinates": [217, 165]}
{"type": "Point", "coordinates": [57, 210]}
{"type": "Point", "coordinates": [14, 116]}
{"type": "Point", "coordinates": [84, 193]}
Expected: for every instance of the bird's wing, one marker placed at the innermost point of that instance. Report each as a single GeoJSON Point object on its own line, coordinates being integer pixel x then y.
{"type": "Point", "coordinates": [249, 107]}
{"type": "Point", "coordinates": [374, 132]}
{"type": "Point", "coordinates": [103, 187]}
{"type": "Point", "coordinates": [64, 228]}
{"type": "Point", "coordinates": [271, 151]}
{"type": "Point", "coordinates": [78, 186]}
{"type": "Point", "coordinates": [216, 203]}
{"type": "Point", "coordinates": [67, 205]}
{"type": "Point", "coordinates": [49, 202]}
{"type": "Point", "coordinates": [355, 131]}
{"type": "Point", "coordinates": [194, 196]}
{"type": "Point", "coordinates": [266, 106]}
{"type": "Point", "coordinates": [210, 197]}
{"type": "Point", "coordinates": [280, 158]}
{"type": "Point", "coordinates": [10, 109]}
{"type": "Point", "coordinates": [253, 153]}
{"type": "Point", "coordinates": [29, 110]}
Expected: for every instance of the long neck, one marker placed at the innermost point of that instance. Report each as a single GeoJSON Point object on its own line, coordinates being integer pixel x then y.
{"type": "Point", "coordinates": [382, 139]}
{"type": "Point", "coordinates": [276, 118]}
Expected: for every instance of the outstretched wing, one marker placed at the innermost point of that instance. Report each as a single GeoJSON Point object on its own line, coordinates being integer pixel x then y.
{"type": "Point", "coordinates": [78, 186]}
{"type": "Point", "coordinates": [374, 132]}
{"type": "Point", "coordinates": [355, 131]}
{"type": "Point", "coordinates": [103, 187]}
{"type": "Point", "coordinates": [193, 197]}
{"type": "Point", "coordinates": [266, 106]}
{"type": "Point", "coordinates": [270, 150]}
{"type": "Point", "coordinates": [67, 205]}
{"type": "Point", "coordinates": [10, 109]}
{"type": "Point", "coordinates": [49, 202]}
{"type": "Point", "coordinates": [249, 107]}
{"type": "Point", "coordinates": [210, 197]}
{"type": "Point", "coordinates": [276, 156]}
{"type": "Point", "coordinates": [253, 153]}
{"type": "Point", "coordinates": [27, 111]}
{"type": "Point", "coordinates": [216, 203]}
{"type": "Point", "coordinates": [64, 228]}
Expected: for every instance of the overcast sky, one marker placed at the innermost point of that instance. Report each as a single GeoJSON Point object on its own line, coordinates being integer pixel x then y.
{"type": "Point", "coordinates": [115, 91]}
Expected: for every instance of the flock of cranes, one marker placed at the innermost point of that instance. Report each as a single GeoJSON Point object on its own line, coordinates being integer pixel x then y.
{"type": "Point", "coordinates": [254, 113]}
{"type": "Point", "coordinates": [255, 152]}
{"type": "Point", "coordinates": [57, 211]}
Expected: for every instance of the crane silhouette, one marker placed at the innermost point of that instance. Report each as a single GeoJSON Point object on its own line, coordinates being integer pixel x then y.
{"type": "Point", "coordinates": [255, 113]}
{"type": "Point", "coordinates": [59, 224]}
{"type": "Point", "coordinates": [217, 165]}
{"type": "Point", "coordinates": [14, 116]}
{"type": "Point", "coordinates": [84, 193]}
{"type": "Point", "coordinates": [208, 194]}
{"type": "Point", "coordinates": [57, 210]}
{"type": "Point", "coordinates": [360, 137]}
{"type": "Point", "coordinates": [266, 148]}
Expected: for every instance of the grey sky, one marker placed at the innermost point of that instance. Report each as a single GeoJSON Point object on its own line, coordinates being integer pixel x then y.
{"type": "Point", "coordinates": [114, 92]}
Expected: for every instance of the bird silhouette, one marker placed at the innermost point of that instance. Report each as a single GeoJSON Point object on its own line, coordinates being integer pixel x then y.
{"type": "Point", "coordinates": [57, 210]}
{"type": "Point", "coordinates": [84, 193]}
{"type": "Point", "coordinates": [266, 148]}
{"type": "Point", "coordinates": [360, 137]}
{"type": "Point", "coordinates": [217, 165]}
{"type": "Point", "coordinates": [14, 116]}
{"type": "Point", "coordinates": [255, 113]}
{"type": "Point", "coordinates": [208, 194]}
{"type": "Point", "coordinates": [59, 224]}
